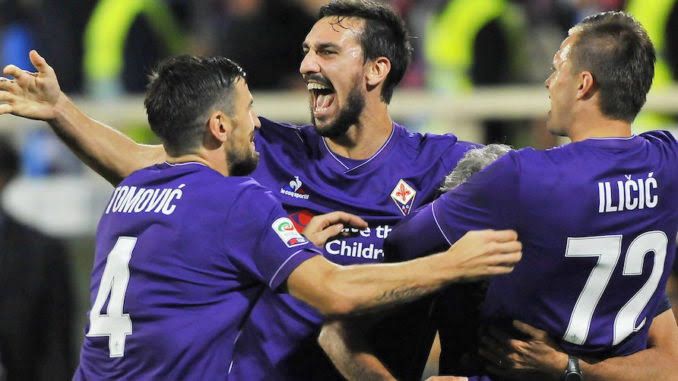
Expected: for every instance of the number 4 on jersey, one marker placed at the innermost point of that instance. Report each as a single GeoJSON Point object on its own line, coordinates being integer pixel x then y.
{"type": "Point", "coordinates": [114, 323]}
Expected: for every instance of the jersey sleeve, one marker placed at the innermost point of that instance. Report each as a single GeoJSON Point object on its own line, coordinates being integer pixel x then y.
{"type": "Point", "coordinates": [263, 242]}
{"type": "Point", "coordinates": [414, 237]}
{"type": "Point", "coordinates": [488, 200]}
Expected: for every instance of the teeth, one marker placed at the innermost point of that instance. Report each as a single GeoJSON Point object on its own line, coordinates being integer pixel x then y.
{"type": "Point", "coordinates": [316, 86]}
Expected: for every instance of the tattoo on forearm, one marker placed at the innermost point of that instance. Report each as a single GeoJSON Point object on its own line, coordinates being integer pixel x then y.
{"type": "Point", "coordinates": [402, 294]}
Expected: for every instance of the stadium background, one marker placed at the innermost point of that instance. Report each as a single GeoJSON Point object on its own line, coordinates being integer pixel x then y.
{"type": "Point", "coordinates": [478, 72]}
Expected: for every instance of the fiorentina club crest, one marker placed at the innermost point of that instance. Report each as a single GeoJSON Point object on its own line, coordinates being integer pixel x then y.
{"type": "Point", "coordinates": [403, 196]}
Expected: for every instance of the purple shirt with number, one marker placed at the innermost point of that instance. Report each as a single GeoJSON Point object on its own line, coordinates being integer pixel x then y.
{"type": "Point", "coordinates": [597, 220]}
{"type": "Point", "coordinates": [279, 340]}
{"type": "Point", "coordinates": [182, 255]}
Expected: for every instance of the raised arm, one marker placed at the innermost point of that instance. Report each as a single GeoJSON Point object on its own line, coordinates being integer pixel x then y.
{"type": "Point", "coordinates": [353, 290]}
{"type": "Point", "coordinates": [38, 96]}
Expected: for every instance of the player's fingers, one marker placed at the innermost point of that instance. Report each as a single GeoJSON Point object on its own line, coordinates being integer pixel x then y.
{"type": "Point", "coordinates": [13, 71]}
{"type": "Point", "coordinates": [7, 84]}
{"type": "Point", "coordinates": [5, 109]}
{"type": "Point", "coordinates": [321, 236]}
{"type": "Point", "coordinates": [528, 329]}
{"type": "Point", "coordinates": [501, 235]}
{"type": "Point", "coordinates": [345, 218]}
{"type": "Point", "coordinates": [505, 260]}
{"type": "Point", "coordinates": [491, 355]}
{"type": "Point", "coordinates": [7, 97]}
{"type": "Point", "coordinates": [40, 63]}
{"type": "Point", "coordinates": [333, 230]}
{"type": "Point", "coordinates": [23, 78]}
{"type": "Point", "coordinates": [506, 247]}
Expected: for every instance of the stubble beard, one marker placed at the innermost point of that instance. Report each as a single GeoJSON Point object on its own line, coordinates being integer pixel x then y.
{"type": "Point", "coordinates": [348, 116]}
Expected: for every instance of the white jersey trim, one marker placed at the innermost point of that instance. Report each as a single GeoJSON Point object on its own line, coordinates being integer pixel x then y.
{"type": "Point", "coordinates": [185, 163]}
{"type": "Point", "coordinates": [433, 212]}
{"type": "Point", "coordinates": [275, 275]}
{"type": "Point", "coordinates": [366, 161]}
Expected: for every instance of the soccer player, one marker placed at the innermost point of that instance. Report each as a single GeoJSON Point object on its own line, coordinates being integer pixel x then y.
{"type": "Point", "coordinates": [597, 217]}
{"type": "Point", "coordinates": [185, 248]}
{"type": "Point", "coordinates": [352, 158]}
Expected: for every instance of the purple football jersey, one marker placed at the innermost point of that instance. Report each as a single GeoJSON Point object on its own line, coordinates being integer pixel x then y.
{"type": "Point", "coordinates": [278, 341]}
{"type": "Point", "coordinates": [182, 254]}
{"type": "Point", "coordinates": [597, 220]}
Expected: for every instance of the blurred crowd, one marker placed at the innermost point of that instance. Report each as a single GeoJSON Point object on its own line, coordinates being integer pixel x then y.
{"type": "Point", "coordinates": [108, 46]}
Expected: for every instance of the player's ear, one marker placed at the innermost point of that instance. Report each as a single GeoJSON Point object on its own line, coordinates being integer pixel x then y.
{"type": "Point", "coordinates": [587, 85]}
{"type": "Point", "coordinates": [377, 70]}
{"type": "Point", "coordinates": [219, 126]}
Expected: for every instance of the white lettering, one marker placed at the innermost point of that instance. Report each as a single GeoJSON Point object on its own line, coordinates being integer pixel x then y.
{"type": "Point", "coordinates": [651, 199]}
{"type": "Point", "coordinates": [354, 249]}
{"type": "Point", "coordinates": [110, 203]}
{"type": "Point", "coordinates": [631, 194]}
{"type": "Point", "coordinates": [608, 198]}
{"type": "Point", "coordinates": [135, 200]}
{"type": "Point", "coordinates": [143, 200]}
{"type": "Point", "coordinates": [121, 198]}
{"type": "Point", "coordinates": [631, 202]}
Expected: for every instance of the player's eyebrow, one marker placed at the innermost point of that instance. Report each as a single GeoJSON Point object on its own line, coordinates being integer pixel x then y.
{"type": "Point", "coordinates": [321, 46]}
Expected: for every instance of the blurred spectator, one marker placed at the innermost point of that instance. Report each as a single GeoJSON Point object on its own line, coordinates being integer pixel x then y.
{"type": "Point", "coordinates": [660, 19]}
{"type": "Point", "coordinates": [123, 41]}
{"type": "Point", "coordinates": [36, 300]}
{"type": "Point", "coordinates": [54, 28]}
{"type": "Point", "coordinates": [264, 36]}
{"type": "Point", "coordinates": [44, 154]}
{"type": "Point", "coordinates": [476, 43]}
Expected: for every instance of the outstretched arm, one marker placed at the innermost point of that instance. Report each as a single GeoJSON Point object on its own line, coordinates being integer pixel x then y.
{"type": "Point", "coordinates": [38, 96]}
{"type": "Point", "coordinates": [540, 354]}
{"type": "Point", "coordinates": [353, 290]}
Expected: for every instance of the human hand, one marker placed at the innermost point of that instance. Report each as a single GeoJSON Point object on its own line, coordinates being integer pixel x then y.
{"type": "Point", "coordinates": [324, 226]}
{"type": "Point", "coordinates": [30, 95]}
{"type": "Point", "coordinates": [534, 353]}
{"type": "Point", "coordinates": [484, 253]}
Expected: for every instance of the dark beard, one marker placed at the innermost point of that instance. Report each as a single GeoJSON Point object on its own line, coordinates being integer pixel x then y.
{"type": "Point", "coordinates": [348, 116]}
{"type": "Point", "coordinates": [242, 166]}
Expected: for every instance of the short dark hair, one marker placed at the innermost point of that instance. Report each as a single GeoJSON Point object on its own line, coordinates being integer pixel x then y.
{"type": "Point", "coordinates": [616, 49]}
{"type": "Point", "coordinates": [9, 160]}
{"type": "Point", "coordinates": [384, 35]}
{"type": "Point", "coordinates": [180, 93]}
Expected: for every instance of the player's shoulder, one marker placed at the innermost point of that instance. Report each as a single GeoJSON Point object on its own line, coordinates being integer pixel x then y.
{"type": "Point", "coordinates": [431, 146]}
{"type": "Point", "coordinates": [661, 138]}
{"type": "Point", "coordinates": [273, 131]}
{"type": "Point", "coordinates": [250, 193]}
{"type": "Point", "coordinates": [515, 157]}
